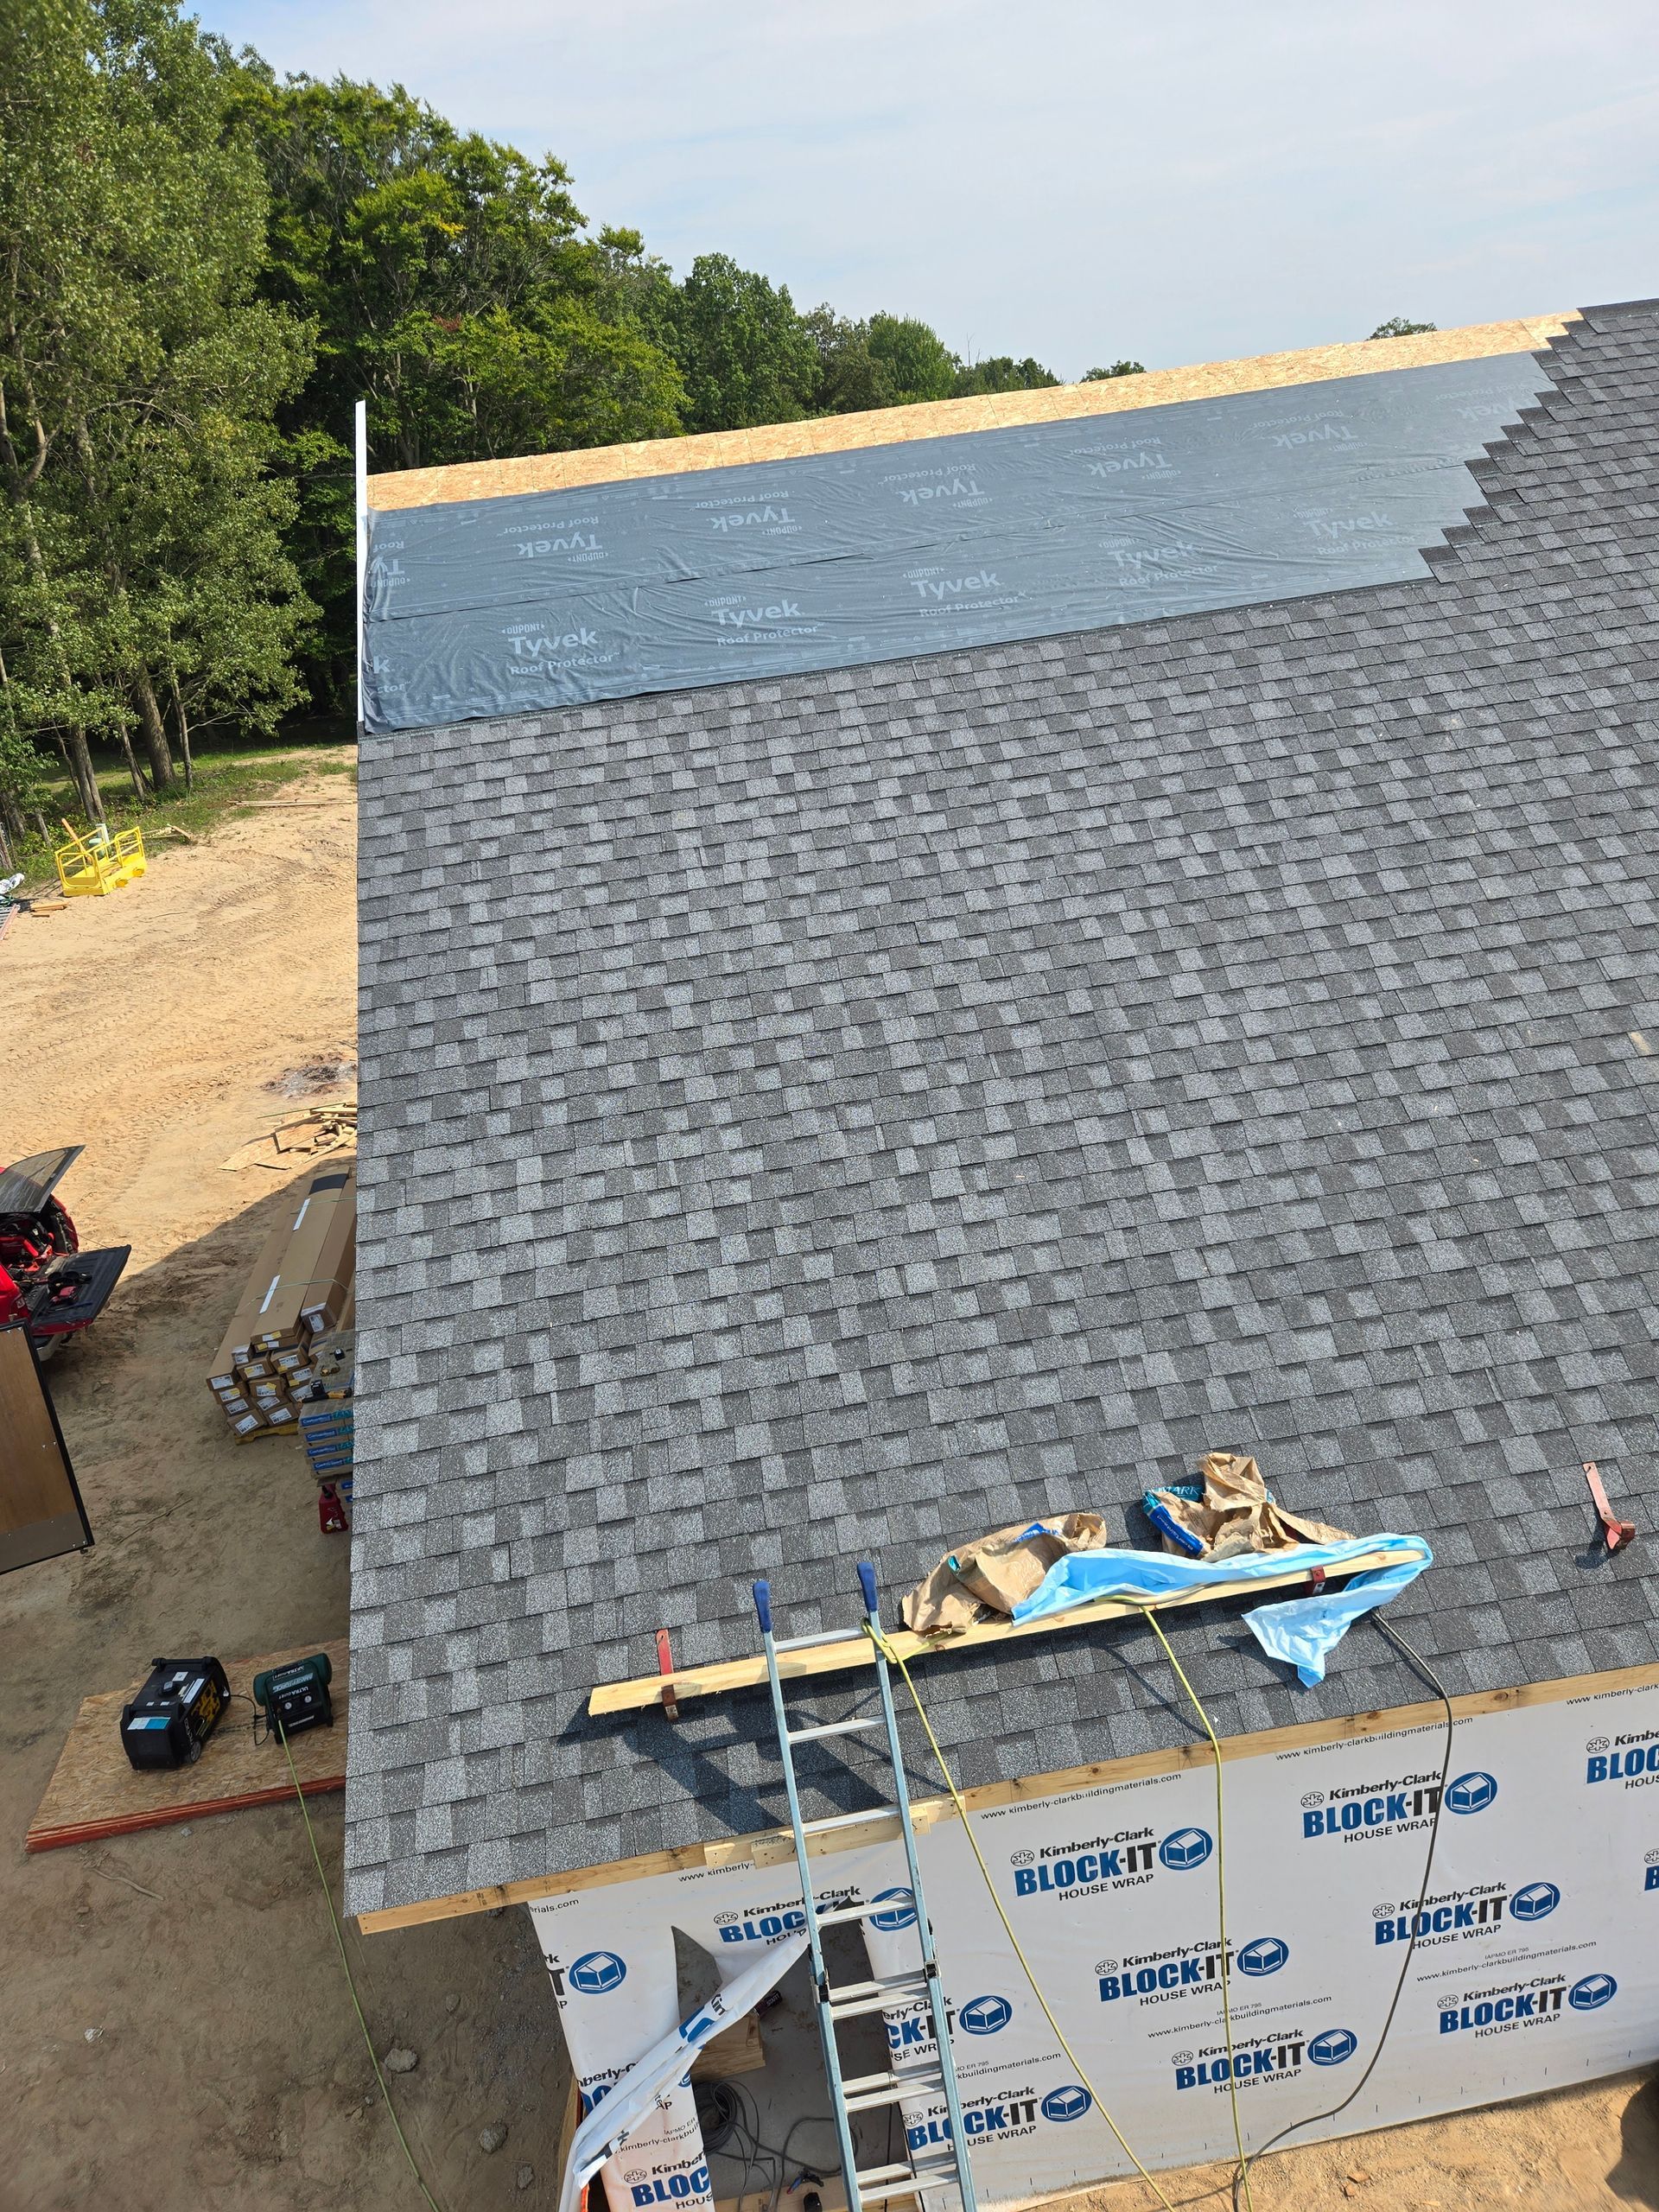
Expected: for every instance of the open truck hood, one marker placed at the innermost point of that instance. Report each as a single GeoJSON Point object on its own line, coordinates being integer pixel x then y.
{"type": "Point", "coordinates": [26, 1186]}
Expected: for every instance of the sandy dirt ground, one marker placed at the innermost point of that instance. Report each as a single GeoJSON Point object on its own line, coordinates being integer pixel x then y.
{"type": "Point", "coordinates": [175, 2026]}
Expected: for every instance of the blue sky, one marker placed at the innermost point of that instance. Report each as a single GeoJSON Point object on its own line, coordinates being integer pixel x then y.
{"type": "Point", "coordinates": [1077, 178]}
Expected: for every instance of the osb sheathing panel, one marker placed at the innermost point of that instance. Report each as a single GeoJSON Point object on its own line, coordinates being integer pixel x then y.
{"type": "Point", "coordinates": [950, 418]}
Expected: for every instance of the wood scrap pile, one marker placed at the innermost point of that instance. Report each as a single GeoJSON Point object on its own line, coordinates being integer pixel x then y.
{"type": "Point", "coordinates": [300, 1292]}
{"type": "Point", "coordinates": [320, 1129]}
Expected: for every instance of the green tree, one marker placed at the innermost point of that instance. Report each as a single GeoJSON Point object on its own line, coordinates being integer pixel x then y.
{"type": "Point", "coordinates": [1117, 369]}
{"type": "Point", "coordinates": [1400, 326]}
{"type": "Point", "coordinates": [744, 354]}
{"type": "Point", "coordinates": [138, 378]}
{"type": "Point", "coordinates": [917, 363]}
{"type": "Point", "coordinates": [1001, 373]}
{"type": "Point", "coordinates": [452, 289]}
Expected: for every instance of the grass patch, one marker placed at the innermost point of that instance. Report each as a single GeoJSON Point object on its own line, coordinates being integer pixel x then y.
{"type": "Point", "coordinates": [228, 773]}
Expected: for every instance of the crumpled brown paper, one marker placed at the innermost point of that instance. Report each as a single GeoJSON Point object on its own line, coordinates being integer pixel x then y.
{"type": "Point", "coordinates": [1237, 1515]}
{"type": "Point", "coordinates": [986, 1580]}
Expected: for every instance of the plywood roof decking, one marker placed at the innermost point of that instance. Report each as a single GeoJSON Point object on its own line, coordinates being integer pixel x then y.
{"type": "Point", "coordinates": [833, 1116]}
{"type": "Point", "coordinates": [562, 472]}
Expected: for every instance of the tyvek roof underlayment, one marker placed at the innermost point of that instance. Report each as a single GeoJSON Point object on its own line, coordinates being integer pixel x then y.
{"type": "Point", "coordinates": [831, 1117]}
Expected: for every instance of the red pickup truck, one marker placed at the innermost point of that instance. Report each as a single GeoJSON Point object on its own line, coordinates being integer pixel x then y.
{"type": "Point", "coordinates": [45, 1280]}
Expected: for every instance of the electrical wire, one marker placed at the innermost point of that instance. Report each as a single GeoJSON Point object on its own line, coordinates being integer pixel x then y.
{"type": "Point", "coordinates": [889, 1653]}
{"type": "Point", "coordinates": [351, 1980]}
{"type": "Point", "coordinates": [1241, 2176]}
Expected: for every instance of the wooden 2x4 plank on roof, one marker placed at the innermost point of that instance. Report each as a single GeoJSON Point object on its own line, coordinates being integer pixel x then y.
{"type": "Point", "coordinates": [727, 1675]}
{"type": "Point", "coordinates": [945, 418]}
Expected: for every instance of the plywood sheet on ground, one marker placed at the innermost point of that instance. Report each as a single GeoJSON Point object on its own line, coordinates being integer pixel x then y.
{"type": "Point", "coordinates": [1001, 410]}
{"type": "Point", "coordinates": [94, 1793]}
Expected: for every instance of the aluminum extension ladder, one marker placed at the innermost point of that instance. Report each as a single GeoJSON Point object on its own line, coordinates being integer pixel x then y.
{"type": "Point", "coordinates": [949, 2167]}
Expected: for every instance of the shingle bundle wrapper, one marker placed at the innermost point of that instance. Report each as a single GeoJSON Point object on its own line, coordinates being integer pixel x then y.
{"type": "Point", "coordinates": [985, 1581]}
{"type": "Point", "coordinates": [1233, 1514]}
{"type": "Point", "coordinates": [1302, 1631]}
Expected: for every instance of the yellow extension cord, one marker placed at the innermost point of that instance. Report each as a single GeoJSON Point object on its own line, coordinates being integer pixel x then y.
{"type": "Point", "coordinates": [351, 1980]}
{"type": "Point", "coordinates": [889, 1653]}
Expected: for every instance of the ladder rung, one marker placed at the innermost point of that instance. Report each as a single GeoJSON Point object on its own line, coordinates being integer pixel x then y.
{"type": "Point", "coordinates": [870, 1996]}
{"type": "Point", "coordinates": [832, 1728]}
{"type": "Point", "coordinates": [902, 2181]}
{"type": "Point", "coordinates": [850, 1820]}
{"type": "Point", "coordinates": [809, 1642]}
{"type": "Point", "coordinates": [873, 2090]}
{"type": "Point", "coordinates": [839, 1915]}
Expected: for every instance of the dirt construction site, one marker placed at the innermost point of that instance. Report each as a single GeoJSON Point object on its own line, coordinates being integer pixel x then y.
{"type": "Point", "coordinates": [174, 2022]}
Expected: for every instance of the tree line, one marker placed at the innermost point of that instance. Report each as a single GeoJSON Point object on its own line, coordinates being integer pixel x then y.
{"type": "Point", "coordinates": [202, 266]}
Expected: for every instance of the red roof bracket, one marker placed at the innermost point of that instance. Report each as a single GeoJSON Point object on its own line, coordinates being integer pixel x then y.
{"type": "Point", "coordinates": [665, 1666]}
{"type": "Point", "coordinates": [1618, 1533]}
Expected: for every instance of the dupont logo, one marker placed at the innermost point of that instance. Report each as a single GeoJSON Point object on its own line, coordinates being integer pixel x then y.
{"type": "Point", "coordinates": [1470, 1793]}
{"type": "Point", "coordinates": [901, 1912]}
{"type": "Point", "coordinates": [1265, 1955]}
{"type": "Point", "coordinates": [1069, 2103]}
{"type": "Point", "coordinates": [1592, 1992]}
{"type": "Point", "coordinates": [1186, 1849]}
{"type": "Point", "coordinates": [1333, 2046]}
{"type": "Point", "coordinates": [597, 1972]}
{"type": "Point", "coordinates": [1536, 1902]}
{"type": "Point", "coordinates": [984, 2016]}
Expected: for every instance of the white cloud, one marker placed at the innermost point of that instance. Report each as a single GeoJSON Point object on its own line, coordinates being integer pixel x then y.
{"type": "Point", "coordinates": [1073, 179]}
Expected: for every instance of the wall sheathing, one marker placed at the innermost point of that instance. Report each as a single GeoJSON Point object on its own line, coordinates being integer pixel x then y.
{"type": "Point", "coordinates": [1536, 1963]}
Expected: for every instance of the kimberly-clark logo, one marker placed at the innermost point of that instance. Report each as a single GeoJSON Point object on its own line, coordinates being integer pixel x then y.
{"type": "Point", "coordinates": [1592, 1992]}
{"type": "Point", "coordinates": [1454, 1913]}
{"type": "Point", "coordinates": [1185, 1848]}
{"type": "Point", "coordinates": [1518, 2005]}
{"type": "Point", "coordinates": [1265, 1955]}
{"type": "Point", "coordinates": [1130, 1856]}
{"type": "Point", "coordinates": [765, 1926]}
{"type": "Point", "coordinates": [1375, 1808]}
{"type": "Point", "coordinates": [597, 1972]}
{"type": "Point", "coordinates": [1279, 2057]}
{"type": "Point", "coordinates": [1627, 1758]}
{"type": "Point", "coordinates": [1158, 1976]}
{"type": "Point", "coordinates": [901, 1910]}
{"type": "Point", "coordinates": [1069, 2103]}
{"type": "Point", "coordinates": [1470, 1793]}
{"type": "Point", "coordinates": [1536, 1902]}
{"type": "Point", "coordinates": [984, 2016]}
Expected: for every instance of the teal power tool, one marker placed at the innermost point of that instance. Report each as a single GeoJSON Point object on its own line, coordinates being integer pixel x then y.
{"type": "Point", "coordinates": [295, 1696]}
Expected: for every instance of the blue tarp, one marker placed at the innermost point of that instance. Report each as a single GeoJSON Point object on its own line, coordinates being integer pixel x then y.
{"type": "Point", "coordinates": [1300, 1630]}
{"type": "Point", "coordinates": [493, 606]}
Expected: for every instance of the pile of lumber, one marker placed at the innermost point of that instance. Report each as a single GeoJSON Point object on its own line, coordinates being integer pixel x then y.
{"type": "Point", "coordinates": [300, 1292]}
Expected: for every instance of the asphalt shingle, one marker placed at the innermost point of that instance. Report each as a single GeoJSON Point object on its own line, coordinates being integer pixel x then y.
{"type": "Point", "coordinates": [825, 1119]}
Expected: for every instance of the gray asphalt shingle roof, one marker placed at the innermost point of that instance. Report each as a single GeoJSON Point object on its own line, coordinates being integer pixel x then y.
{"type": "Point", "coordinates": [828, 1118]}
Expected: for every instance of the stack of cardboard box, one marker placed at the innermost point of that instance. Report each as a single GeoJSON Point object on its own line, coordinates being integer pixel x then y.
{"type": "Point", "coordinates": [299, 1291]}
